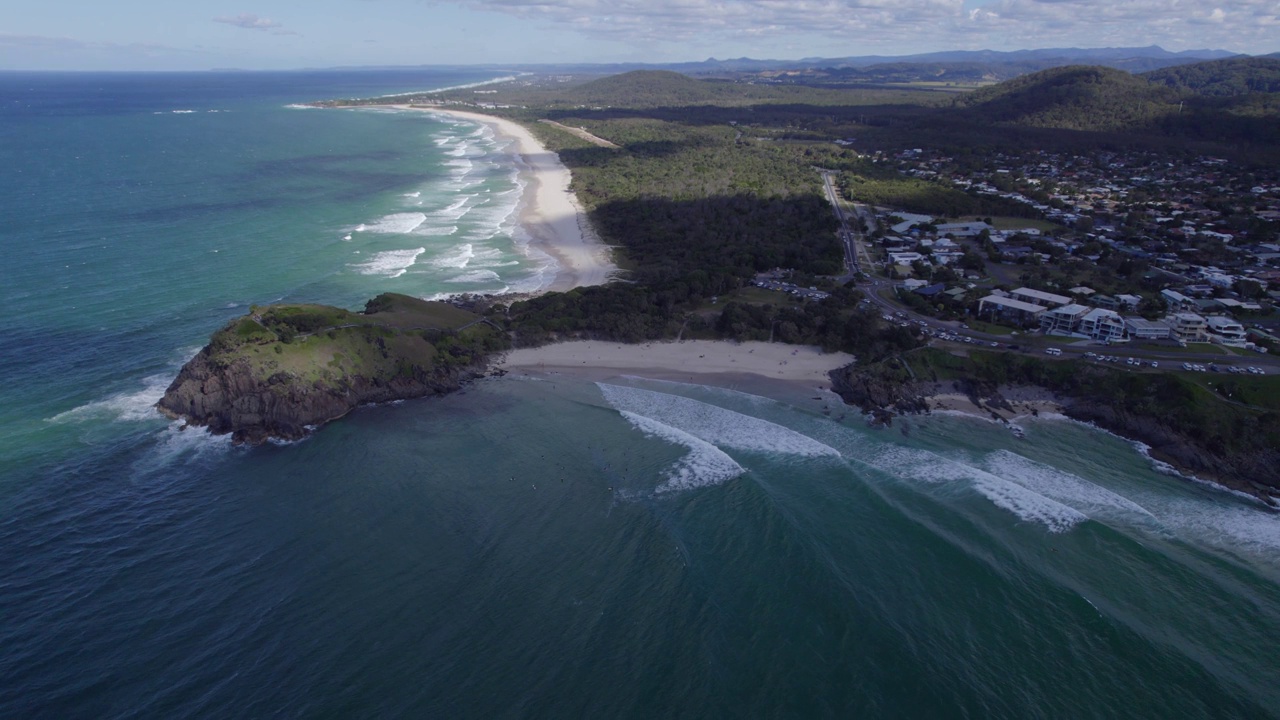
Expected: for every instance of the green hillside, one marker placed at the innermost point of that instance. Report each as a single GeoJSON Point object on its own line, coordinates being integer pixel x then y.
{"type": "Point", "coordinates": [1221, 78]}
{"type": "Point", "coordinates": [1073, 98]}
{"type": "Point", "coordinates": [646, 88]}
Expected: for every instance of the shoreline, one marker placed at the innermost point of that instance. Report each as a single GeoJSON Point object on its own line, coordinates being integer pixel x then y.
{"type": "Point", "coordinates": [721, 363]}
{"type": "Point", "coordinates": [549, 210]}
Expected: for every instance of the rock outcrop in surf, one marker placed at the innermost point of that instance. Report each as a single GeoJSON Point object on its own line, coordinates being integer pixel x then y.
{"type": "Point", "coordinates": [283, 370]}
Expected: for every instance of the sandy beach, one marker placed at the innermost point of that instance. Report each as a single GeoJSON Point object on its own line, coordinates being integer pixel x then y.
{"type": "Point", "coordinates": [700, 361]}
{"type": "Point", "coordinates": [551, 213]}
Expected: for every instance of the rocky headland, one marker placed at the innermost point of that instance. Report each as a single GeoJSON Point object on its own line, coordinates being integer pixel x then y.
{"type": "Point", "coordinates": [1183, 425]}
{"type": "Point", "coordinates": [283, 370]}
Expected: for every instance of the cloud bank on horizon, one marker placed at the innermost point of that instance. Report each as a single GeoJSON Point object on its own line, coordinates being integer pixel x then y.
{"type": "Point", "coordinates": [249, 21]}
{"type": "Point", "coordinates": [199, 34]}
{"type": "Point", "coordinates": [909, 26]}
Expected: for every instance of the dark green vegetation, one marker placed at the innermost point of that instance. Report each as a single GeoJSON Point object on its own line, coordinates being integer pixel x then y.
{"type": "Point", "coordinates": [324, 345]}
{"type": "Point", "coordinates": [1236, 76]}
{"type": "Point", "coordinates": [1214, 431]}
{"type": "Point", "coordinates": [1225, 101]}
{"type": "Point", "coordinates": [1072, 98]}
{"type": "Point", "coordinates": [281, 369]}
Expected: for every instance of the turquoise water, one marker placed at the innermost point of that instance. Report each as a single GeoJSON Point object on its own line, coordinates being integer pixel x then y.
{"type": "Point", "coordinates": [526, 548]}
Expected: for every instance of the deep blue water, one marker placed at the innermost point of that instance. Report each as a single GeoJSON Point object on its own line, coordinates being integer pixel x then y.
{"type": "Point", "coordinates": [528, 548]}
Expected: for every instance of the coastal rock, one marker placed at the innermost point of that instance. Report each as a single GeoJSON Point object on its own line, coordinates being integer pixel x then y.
{"type": "Point", "coordinates": [284, 370]}
{"type": "Point", "coordinates": [232, 399]}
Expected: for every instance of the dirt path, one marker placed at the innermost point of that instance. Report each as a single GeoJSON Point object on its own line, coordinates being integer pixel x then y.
{"type": "Point", "coordinates": [579, 132]}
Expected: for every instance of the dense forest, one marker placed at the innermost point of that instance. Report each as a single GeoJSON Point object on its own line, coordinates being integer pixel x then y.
{"type": "Point", "coordinates": [1228, 101]}
{"type": "Point", "coordinates": [1234, 76]}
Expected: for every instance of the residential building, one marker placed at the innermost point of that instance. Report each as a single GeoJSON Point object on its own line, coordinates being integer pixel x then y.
{"type": "Point", "coordinates": [1141, 329]}
{"type": "Point", "coordinates": [1187, 327]}
{"type": "Point", "coordinates": [1010, 310]}
{"type": "Point", "coordinates": [1176, 301]}
{"type": "Point", "coordinates": [972, 229]}
{"type": "Point", "coordinates": [1039, 297]}
{"type": "Point", "coordinates": [1104, 325]}
{"type": "Point", "coordinates": [1064, 320]}
{"type": "Point", "coordinates": [1226, 331]}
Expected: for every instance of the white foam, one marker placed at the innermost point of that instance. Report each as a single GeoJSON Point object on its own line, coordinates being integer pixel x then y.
{"type": "Point", "coordinates": [1025, 503]}
{"type": "Point", "coordinates": [1229, 526]}
{"type": "Point", "coordinates": [390, 263]}
{"type": "Point", "coordinates": [136, 406]}
{"type": "Point", "coordinates": [360, 228]}
{"type": "Point", "coordinates": [455, 211]}
{"type": "Point", "coordinates": [179, 444]}
{"type": "Point", "coordinates": [437, 231]}
{"type": "Point", "coordinates": [397, 223]}
{"type": "Point", "coordinates": [713, 423]}
{"type": "Point", "coordinates": [704, 465]}
{"type": "Point", "coordinates": [476, 276]}
{"type": "Point", "coordinates": [1061, 486]}
{"type": "Point", "coordinates": [464, 254]}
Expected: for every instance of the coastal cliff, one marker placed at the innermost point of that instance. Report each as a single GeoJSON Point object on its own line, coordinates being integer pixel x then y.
{"type": "Point", "coordinates": [1231, 442]}
{"type": "Point", "coordinates": [283, 370]}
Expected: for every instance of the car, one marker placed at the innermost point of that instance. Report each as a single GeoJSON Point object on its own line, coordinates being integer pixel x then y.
{"type": "Point", "coordinates": [1188, 366]}
{"type": "Point", "coordinates": [995, 344]}
{"type": "Point", "coordinates": [1155, 363]}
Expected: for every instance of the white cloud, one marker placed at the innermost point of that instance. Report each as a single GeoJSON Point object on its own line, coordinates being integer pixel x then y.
{"type": "Point", "coordinates": [249, 21]}
{"type": "Point", "coordinates": [864, 26]}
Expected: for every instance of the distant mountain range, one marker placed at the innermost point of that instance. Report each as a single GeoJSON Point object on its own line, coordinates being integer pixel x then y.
{"type": "Point", "coordinates": [1134, 59]}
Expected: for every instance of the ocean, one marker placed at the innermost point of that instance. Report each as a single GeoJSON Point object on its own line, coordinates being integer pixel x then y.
{"type": "Point", "coordinates": [534, 548]}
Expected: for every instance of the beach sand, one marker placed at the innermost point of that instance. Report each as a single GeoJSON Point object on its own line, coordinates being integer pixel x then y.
{"type": "Point", "coordinates": [551, 213]}
{"type": "Point", "coordinates": [713, 362]}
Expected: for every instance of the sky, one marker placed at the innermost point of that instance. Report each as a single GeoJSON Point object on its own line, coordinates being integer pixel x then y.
{"type": "Point", "coordinates": [288, 34]}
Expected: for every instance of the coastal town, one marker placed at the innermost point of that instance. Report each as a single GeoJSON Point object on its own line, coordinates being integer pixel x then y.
{"type": "Point", "coordinates": [1113, 249]}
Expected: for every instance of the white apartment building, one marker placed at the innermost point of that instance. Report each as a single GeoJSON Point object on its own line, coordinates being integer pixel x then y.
{"type": "Point", "coordinates": [1188, 327]}
{"type": "Point", "coordinates": [1226, 331]}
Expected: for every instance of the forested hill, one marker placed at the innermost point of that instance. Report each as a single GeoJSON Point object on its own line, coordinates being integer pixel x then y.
{"type": "Point", "coordinates": [645, 88]}
{"type": "Point", "coordinates": [1218, 78]}
{"type": "Point", "coordinates": [1193, 102]}
{"type": "Point", "coordinates": [1076, 97]}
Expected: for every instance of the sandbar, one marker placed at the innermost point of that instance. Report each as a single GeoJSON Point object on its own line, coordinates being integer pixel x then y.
{"type": "Point", "coordinates": [550, 213]}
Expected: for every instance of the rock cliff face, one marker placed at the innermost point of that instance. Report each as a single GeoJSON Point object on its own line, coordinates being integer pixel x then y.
{"type": "Point", "coordinates": [1256, 473]}
{"type": "Point", "coordinates": [232, 398]}
{"type": "Point", "coordinates": [884, 389]}
{"type": "Point", "coordinates": [283, 370]}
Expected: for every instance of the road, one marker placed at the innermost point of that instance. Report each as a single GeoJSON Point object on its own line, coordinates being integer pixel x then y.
{"type": "Point", "coordinates": [848, 241]}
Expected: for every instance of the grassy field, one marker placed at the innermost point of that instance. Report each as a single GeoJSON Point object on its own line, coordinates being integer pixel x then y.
{"type": "Point", "coordinates": [1259, 391]}
{"type": "Point", "coordinates": [989, 328]}
{"type": "Point", "coordinates": [1191, 348]}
